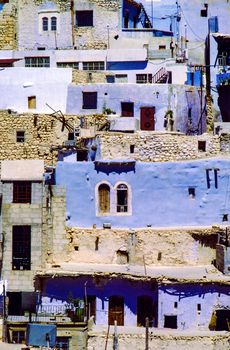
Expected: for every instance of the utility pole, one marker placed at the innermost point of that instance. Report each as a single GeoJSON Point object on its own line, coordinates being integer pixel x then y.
{"type": "Point", "coordinates": [147, 333]}
{"type": "Point", "coordinates": [115, 337]}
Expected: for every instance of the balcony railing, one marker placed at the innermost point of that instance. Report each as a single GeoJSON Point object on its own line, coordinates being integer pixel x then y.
{"type": "Point", "coordinates": [51, 313]}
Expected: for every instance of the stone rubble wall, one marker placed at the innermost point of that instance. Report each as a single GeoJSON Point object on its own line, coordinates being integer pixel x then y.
{"type": "Point", "coordinates": [104, 13]}
{"type": "Point", "coordinates": [156, 147]}
{"type": "Point", "coordinates": [154, 246]}
{"type": "Point", "coordinates": [160, 342]}
{"type": "Point", "coordinates": [8, 24]}
{"type": "Point", "coordinates": [41, 132]}
{"type": "Point", "coordinates": [86, 77]}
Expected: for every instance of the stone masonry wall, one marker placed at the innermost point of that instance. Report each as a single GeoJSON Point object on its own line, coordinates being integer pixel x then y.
{"type": "Point", "coordinates": [157, 246]}
{"type": "Point", "coordinates": [83, 77]}
{"type": "Point", "coordinates": [8, 33]}
{"type": "Point", "coordinates": [160, 340]}
{"type": "Point", "coordinates": [104, 13]}
{"type": "Point", "coordinates": [156, 147]}
{"type": "Point", "coordinates": [41, 132]}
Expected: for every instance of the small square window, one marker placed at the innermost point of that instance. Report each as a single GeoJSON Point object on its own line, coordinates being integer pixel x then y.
{"type": "Point", "coordinates": [127, 109]}
{"type": "Point", "coordinates": [84, 18]}
{"type": "Point", "coordinates": [132, 148]}
{"type": "Point", "coordinates": [162, 47]}
{"type": "Point", "coordinates": [89, 100]}
{"type": "Point", "coordinates": [20, 136]}
{"type": "Point", "coordinates": [31, 102]}
{"type": "Point", "coordinates": [191, 192]}
{"type": "Point", "coordinates": [22, 192]}
{"type": "Point", "coordinates": [202, 146]}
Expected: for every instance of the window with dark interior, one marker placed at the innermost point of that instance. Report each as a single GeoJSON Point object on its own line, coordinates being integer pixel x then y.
{"type": "Point", "coordinates": [89, 100]}
{"type": "Point", "coordinates": [22, 191]}
{"type": "Point", "coordinates": [45, 24]}
{"type": "Point", "coordinates": [62, 343]}
{"type": "Point", "coordinates": [21, 248]}
{"type": "Point", "coordinates": [104, 198]}
{"type": "Point", "coordinates": [18, 337]}
{"type": "Point", "coordinates": [84, 18]}
{"type": "Point", "coordinates": [127, 109]}
{"type": "Point", "coordinates": [53, 23]}
{"type": "Point", "coordinates": [170, 322]}
{"type": "Point", "coordinates": [122, 198]}
{"type": "Point", "coordinates": [20, 136]}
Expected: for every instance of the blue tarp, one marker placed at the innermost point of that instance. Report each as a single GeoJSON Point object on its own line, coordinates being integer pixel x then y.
{"type": "Point", "coordinates": [41, 334]}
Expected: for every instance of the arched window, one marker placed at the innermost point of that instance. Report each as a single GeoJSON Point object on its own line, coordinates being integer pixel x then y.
{"type": "Point", "coordinates": [45, 24]}
{"type": "Point", "coordinates": [122, 198]}
{"type": "Point", "coordinates": [104, 198]}
{"type": "Point", "coordinates": [54, 23]}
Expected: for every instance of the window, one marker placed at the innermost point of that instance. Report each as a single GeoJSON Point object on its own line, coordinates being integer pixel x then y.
{"type": "Point", "coordinates": [113, 200]}
{"type": "Point", "coordinates": [89, 100]}
{"type": "Point", "coordinates": [74, 65]}
{"type": "Point", "coordinates": [62, 343]}
{"type": "Point", "coordinates": [104, 198]}
{"type": "Point", "coordinates": [82, 155]}
{"type": "Point", "coordinates": [127, 109]}
{"type": "Point", "coordinates": [45, 24]}
{"type": "Point", "coordinates": [170, 322]}
{"type": "Point", "coordinates": [162, 47]}
{"type": "Point", "coordinates": [121, 78]}
{"type": "Point", "coordinates": [143, 78]}
{"type": "Point", "coordinates": [18, 337]}
{"type": "Point", "coordinates": [31, 102]}
{"type": "Point", "coordinates": [22, 191]}
{"type": "Point", "coordinates": [20, 136]}
{"type": "Point", "coordinates": [122, 198]}
{"type": "Point", "coordinates": [84, 18]}
{"type": "Point", "coordinates": [21, 250]}
{"type": "Point", "coordinates": [191, 192]}
{"type": "Point", "coordinates": [132, 148]}
{"type": "Point", "coordinates": [37, 61]}
{"type": "Point", "coordinates": [202, 146]}
{"type": "Point", "coordinates": [53, 23]}
{"type": "Point", "coordinates": [100, 65]}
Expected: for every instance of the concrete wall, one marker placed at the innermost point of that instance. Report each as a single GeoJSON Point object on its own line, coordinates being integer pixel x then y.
{"type": "Point", "coordinates": [163, 96]}
{"type": "Point", "coordinates": [159, 247]}
{"type": "Point", "coordinates": [187, 297]}
{"type": "Point", "coordinates": [48, 85]}
{"type": "Point", "coordinates": [155, 191]}
{"type": "Point", "coordinates": [30, 34]}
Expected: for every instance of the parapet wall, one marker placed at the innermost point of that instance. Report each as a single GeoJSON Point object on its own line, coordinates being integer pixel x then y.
{"type": "Point", "coordinates": [157, 147]}
{"type": "Point", "coordinates": [142, 246]}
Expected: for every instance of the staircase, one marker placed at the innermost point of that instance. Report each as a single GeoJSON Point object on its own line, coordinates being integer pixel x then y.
{"type": "Point", "coordinates": [144, 18]}
{"type": "Point", "coordinates": [160, 77]}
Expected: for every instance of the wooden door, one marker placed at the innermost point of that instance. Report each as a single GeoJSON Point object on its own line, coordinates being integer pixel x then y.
{"type": "Point", "coordinates": [147, 118]}
{"type": "Point", "coordinates": [116, 310]}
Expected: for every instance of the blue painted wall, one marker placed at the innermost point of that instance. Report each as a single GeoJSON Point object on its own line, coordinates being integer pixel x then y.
{"type": "Point", "coordinates": [159, 193]}
{"type": "Point", "coordinates": [126, 65]}
{"type": "Point", "coordinates": [187, 297]}
{"type": "Point", "coordinates": [57, 291]}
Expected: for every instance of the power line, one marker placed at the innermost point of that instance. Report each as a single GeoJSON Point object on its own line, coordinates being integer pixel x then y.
{"type": "Point", "coordinates": [190, 25]}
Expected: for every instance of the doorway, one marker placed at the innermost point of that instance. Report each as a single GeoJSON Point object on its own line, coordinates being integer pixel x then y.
{"type": "Point", "coordinates": [144, 309]}
{"type": "Point", "coordinates": [222, 320]}
{"type": "Point", "coordinates": [116, 310]}
{"type": "Point", "coordinates": [147, 118]}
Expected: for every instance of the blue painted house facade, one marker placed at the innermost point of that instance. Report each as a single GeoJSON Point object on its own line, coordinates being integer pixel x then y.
{"type": "Point", "coordinates": [136, 194]}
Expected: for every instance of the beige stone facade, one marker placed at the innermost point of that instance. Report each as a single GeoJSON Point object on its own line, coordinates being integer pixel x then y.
{"type": "Point", "coordinates": [83, 77]}
{"type": "Point", "coordinates": [41, 133]}
{"type": "Point", "coordinates": [150, 246]}
{"type": "Point", "coordinates": [157, 147]}
{"type": "Point", "coordinates": [8, 27]}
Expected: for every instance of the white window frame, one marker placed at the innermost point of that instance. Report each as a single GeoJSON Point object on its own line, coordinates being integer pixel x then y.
{"type": "Point", "coordinates": [113, 199]}
{"type": "Point", "coordinates": [48, 14]}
